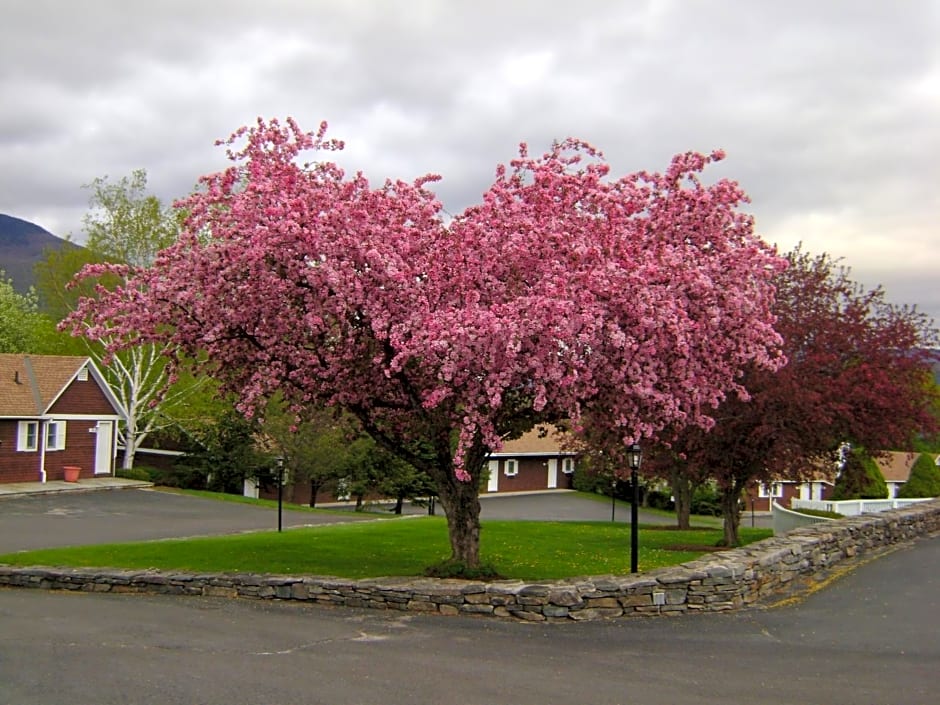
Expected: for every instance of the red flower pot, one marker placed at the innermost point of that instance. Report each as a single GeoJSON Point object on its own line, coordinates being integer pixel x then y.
{"type": "Point", "coordinates": [71, 473]}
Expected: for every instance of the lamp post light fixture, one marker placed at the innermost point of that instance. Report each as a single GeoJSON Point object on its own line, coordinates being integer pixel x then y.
{"type": "Point", "coordinates": [613, 497]}
{"type": "Point", "coordinates": [634, 458]}
{"type": "Point", "coordinates": [280, 491]}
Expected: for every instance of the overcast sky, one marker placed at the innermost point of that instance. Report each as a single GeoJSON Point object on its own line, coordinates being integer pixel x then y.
{"type": "Point", "coordinates": [829, 110]}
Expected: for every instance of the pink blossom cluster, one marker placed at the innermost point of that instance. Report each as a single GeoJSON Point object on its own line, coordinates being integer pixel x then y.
{"type": "Point", "coordinates": [564, 291]}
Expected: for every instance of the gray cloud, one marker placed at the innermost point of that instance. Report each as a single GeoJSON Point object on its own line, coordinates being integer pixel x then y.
{"type": "Point", "coordinates": [828, 111]}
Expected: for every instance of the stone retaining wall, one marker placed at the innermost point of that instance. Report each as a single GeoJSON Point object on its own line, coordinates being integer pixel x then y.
{"type": "Point", "coordinates": [760, 572]}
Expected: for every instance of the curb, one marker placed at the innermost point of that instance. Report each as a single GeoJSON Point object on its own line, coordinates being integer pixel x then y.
{"type": "Point", "coordinates": [45, 489]}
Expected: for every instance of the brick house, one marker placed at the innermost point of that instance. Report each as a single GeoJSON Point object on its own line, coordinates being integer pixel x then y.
{"type": "Point", "coordinates": [537, 460]}
{"type": "Point", "coordinates": [896, 468]}
{"type": "Point", "coordinates": [760, 496]}
{"type": "Point", "coordinates": [55, 411]}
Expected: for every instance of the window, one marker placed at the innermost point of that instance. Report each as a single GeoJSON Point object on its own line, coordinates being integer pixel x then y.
{"type": "Point", "coordinates": [27, 436]}
{"type": "Point", "coordinates": [511, 468]}
{"type": "Point", "coordinates": [55, 435]}
{"type": "Point", "coordinates": [567, 466]}
{"type": "Point", "coordinates": [774, 490]}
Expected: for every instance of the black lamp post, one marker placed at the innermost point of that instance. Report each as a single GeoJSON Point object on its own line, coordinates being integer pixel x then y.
{"type": "Point", "coordinates": [634, 458]}
{"type": "Point", "coordinates": [613, 497]}
{"type": "Point", "coordinates": [280, 491]}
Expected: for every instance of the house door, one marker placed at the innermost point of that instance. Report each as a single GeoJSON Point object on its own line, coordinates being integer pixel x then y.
{"type": "Point", "coordinates": [492, 484]}
{"type": "Point", "coordinates": [552, 473]}
{"type": "Point", "coordinates": [104, 447]}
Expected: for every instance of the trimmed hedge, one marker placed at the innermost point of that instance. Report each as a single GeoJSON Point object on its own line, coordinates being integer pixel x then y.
{"type": "Point", "coordinates": [860, 478]}
{"type": "Point", "coordinates": [924, 480]}
{"type": "Point", "coordinates": [139, 473]}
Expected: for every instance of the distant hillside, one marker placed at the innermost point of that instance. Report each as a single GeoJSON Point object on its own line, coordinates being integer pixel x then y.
{"type": "Point", "coordinates": [21, 246]}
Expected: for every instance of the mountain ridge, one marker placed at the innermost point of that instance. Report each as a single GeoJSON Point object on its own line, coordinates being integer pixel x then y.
{"type": "Point", "coordinates": [22, 244]}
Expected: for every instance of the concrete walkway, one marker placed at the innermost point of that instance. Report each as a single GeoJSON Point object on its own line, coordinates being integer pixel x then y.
{"type": "Point", "coordinates": [91, 484]}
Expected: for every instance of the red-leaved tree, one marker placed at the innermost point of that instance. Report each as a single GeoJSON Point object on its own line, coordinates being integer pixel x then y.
{"type": "Point", "coordinates": [858, 372]}
{"type": "Point", "coordinates": [564, 292]}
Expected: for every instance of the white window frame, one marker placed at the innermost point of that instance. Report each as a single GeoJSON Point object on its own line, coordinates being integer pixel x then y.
{"type": "Point", "coordinates": [775, 491]}
{"type": "Point", "coordinates": [55, 435]}
{"type": "Point", "coordinates": [567, 466]}
{"type": "Point", "coordinates": [23, 444]}
{"type": "Point", "coordinates": [511, 467]}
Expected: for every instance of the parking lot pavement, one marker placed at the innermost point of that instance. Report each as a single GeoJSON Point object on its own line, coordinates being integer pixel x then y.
{"type": "Point", "coordinates": [562, 506]}
{"type": "Point", "coordinates": [566, 505]}
{"type": "Point", "coordinates": [52, 518]}
{"type": "Point", "coordinates": [82, 518]}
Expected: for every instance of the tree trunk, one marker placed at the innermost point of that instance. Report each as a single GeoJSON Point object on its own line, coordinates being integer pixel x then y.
{"type": "Point", "coordinates": [459, 499]}
{"type": "Point", "coordinates": [314, 490]}
{"type": "Point", "coordinates": [461, 503]}
{"type": "Point", "coordinates": [399, 505]}
{"type": "Point", "coordinates": [682, 494]}
{"type": "Point", "coordinates": [731, 513]}
{"type": "Point", "coordinates": [130, 447]}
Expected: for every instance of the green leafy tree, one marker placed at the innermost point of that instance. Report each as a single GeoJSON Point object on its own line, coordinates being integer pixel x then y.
{"type": "Point", "coordinates": [860, 478]}
{"type": "Point", "coordinates": [328, 449]}
{"type": "Point", "coordinates": [377, 471]}
{"type": "Point", "coordinates": [124, 225]}
{"type": "Point", "coordinates": [930, 442]}
{"type": "Point", "coordinates": [316, 446]}
{"type": "Point", "coordinates": [227, 452]}
{"type": "Point", "coordinates": [58, 291]}
{"type": "Point", "coordinates": [924, 480]}
{"type": "Point", "coordinates": [596, 471]}
{"type": "Point", "coordinates": [23, 329]}
{"type": "Point", "coordinates": [685, 480]}
{"type": "Point", "coordinates": [18, 318]}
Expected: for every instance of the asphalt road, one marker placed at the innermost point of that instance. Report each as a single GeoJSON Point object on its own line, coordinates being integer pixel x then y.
{"type": "Point", "coordinates": [83, 518]}
{"type": "Point", "coordinates": [562, 506]}
{"type": "Point", "coordinates": [870, 638]}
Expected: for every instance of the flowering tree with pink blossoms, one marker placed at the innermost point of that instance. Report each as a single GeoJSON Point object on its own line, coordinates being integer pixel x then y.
{"type": "Point", "coordinates": [565, 294]}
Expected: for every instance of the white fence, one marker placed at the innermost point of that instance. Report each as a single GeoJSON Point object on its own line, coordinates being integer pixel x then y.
{"type": "Point", "coordinates": [854, 507]}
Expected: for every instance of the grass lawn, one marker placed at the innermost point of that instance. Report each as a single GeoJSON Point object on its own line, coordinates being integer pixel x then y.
{"type": "Point", "coordinates": [239, 499]}
{"type": "Point", "coordinates": [529, 550]}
